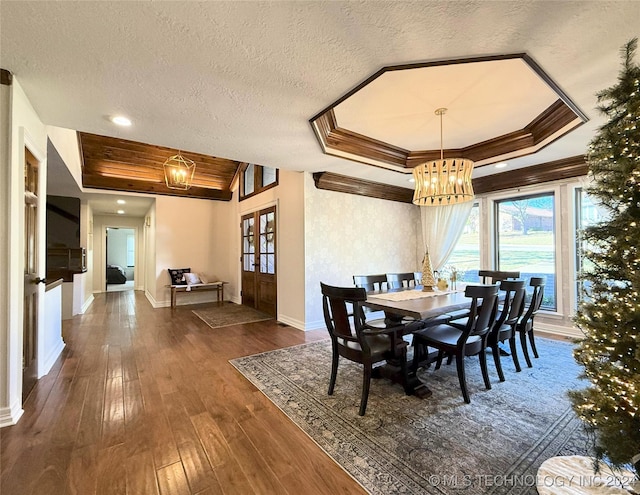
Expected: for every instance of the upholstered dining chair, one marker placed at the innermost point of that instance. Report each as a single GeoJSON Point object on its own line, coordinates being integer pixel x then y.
{"type": "Point", "coordinates": [356, 341]}
{"type": "Point", "coordinates": [400, 280]}
{"type": "Point", "coordinates": [504, 327]}
{"type": "Point", "coordinates": [525, 325]}
{"type": "Point", "coordinates": [469, 341]}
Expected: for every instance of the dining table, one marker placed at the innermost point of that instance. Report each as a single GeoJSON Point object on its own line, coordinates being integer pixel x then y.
{"type": "Point", "coordinates": [416, 304]}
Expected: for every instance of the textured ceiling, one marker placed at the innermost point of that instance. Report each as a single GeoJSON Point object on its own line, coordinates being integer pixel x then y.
{"type": "Point", "coordinates": [240, 80]}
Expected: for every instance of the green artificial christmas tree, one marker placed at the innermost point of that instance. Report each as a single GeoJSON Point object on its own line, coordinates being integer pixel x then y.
{"type": "Point", "coordinates": [609, 311]}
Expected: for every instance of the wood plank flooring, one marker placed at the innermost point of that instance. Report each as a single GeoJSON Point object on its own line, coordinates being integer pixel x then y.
{"type": "Point", "coordinates": [144, 401]}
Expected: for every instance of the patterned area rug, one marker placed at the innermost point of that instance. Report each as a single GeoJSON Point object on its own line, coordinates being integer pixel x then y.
{"type": "Point", "coordinates": [229, 314]}
{"type": "Point", "coordinates": [440, 445]}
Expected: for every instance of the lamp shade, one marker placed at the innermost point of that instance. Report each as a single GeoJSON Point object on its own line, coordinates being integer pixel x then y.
{"type": "Point", "coordinates": [178, 172]}
{"type": "Point", "coordinates": [443, 182]}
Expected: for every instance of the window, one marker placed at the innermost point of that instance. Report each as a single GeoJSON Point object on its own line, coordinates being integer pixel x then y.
{"type": "Point", "coordinates": [131, 251]}
{"type": "Point", "coordinates": [465, 257]}
{"type": "Point", "coordinates": [257, 178]}
{"type": "Point", "coordinates": [525, 240]}
{"type": "Point", "coordinates": [587, 213]}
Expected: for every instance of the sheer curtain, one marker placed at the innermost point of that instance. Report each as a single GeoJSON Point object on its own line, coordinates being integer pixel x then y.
{"type": "Point", "coordinates": [441, 228]}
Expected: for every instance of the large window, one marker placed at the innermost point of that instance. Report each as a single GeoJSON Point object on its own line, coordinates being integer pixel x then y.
{"type": "Point", "coordinates": [525, 240]}
{"type": "Point", "coordinates": [465, 257]}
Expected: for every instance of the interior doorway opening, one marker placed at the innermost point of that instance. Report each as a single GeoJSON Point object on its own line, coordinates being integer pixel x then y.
{"type": "Point", "coordinates": [120, 258]}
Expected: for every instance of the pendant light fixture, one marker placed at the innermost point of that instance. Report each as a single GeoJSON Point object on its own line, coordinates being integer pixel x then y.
{"type": "Point", "coordinates": [178, 172]}
{"type": "Point", "coordinates": [444, 181]}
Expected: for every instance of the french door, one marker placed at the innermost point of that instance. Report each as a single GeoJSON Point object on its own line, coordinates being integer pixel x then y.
{"type": "Point", "coordinates": [259, 275]}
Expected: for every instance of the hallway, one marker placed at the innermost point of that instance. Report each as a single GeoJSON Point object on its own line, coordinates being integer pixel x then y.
{"type": "Point", "coordinates": [144, 401]}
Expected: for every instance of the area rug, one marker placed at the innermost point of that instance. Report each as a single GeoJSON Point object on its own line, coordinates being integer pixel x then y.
{"type": "Point", "coordinates": [439, 445]}
{"type": "Point", "coordinates": [229, 314]}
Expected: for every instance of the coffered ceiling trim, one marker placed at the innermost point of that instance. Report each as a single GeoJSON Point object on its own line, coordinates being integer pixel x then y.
{"type": "Point", "coordinates": [551, 123]}
{"type": "Point", "coordinates": [567, 168]}
{"type": "Point", "coordinates": [330, 181]}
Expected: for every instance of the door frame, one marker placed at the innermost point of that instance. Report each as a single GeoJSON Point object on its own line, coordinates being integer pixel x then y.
{"type": "Point", "coordinates": [253, 209]}
{"type": "Point", "coordinates": [11, 387]}
{"type": "Point", "coordinates": [140, 252]}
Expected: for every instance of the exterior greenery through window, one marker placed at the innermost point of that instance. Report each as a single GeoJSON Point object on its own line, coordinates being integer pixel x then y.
{"type": "Point", "coordinates": [257, 178]}
{"type": "Point", "coordinates": [465, 257]}
{"type": "Point", "coordinates": [588, 212]}
{"type": "Point", "coordinates": [525, 240]}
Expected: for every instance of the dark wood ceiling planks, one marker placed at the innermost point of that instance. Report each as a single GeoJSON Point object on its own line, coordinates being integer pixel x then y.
{"type": "Point", "coordinates": [122, 165]}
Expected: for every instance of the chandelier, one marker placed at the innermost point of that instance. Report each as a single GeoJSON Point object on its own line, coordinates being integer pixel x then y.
{"type": "Point", "coordinates": [443, 182]}
{"type": "Point", "coordinates": [178, 172]}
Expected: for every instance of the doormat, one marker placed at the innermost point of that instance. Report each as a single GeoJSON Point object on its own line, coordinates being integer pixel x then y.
{"type": "Point", "coordinates": [230, 314]}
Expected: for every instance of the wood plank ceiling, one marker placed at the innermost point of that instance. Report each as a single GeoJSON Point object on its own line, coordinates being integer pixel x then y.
{"type": "Point", "coordinates": [122, 165]}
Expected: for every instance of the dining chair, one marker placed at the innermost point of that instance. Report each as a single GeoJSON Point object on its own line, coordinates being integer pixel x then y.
{"type": "Point", "coordinates": [417, 276]}
{"type": "Point", "coordinates": [400, 280]}
{"type": "Point", "coordinates": [525, 325]}
{"type": "Point", "coordinates": [370, 282]}
{"type": "Point", "coordinates": [471, 340]}
{"type": "Point", "coordinates": [356, 341]}
{"type": "Point", "coordinates": [493, 276]}
{"type": "Point", "coordinates": [504, 327]}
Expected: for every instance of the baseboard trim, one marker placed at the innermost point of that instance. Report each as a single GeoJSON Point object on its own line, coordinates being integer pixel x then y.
{"type": "Point", "coordinates": [86, 304]}
{"type": "Point", "coordinates": [292, 322]}
{"type": "Point", "coordinates": [152, 300]}
{"type": "Point", "coordinates": [558, 330]}
{"type": "Point", "coordinates": [9, 416]}
{"type": "Point", "coordinates": [51, 359]}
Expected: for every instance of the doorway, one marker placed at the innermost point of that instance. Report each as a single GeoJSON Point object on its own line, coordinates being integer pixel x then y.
{"type": "Point", "coordinates": [120, 259]}
{"type": "Point", "coordinates": [31, 277]}
{"type": "Point", "coordinates": [259, 274]}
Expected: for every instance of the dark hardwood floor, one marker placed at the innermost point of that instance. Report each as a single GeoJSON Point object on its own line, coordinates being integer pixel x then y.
{"type": "Point", "coordinates": [144, 401]}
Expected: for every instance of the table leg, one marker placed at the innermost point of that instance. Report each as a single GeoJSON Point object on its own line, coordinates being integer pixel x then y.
{"type": "Point", "coordinates": [173, 297]}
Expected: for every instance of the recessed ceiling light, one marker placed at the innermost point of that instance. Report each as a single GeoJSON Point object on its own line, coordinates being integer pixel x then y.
{"type": "Point", "coordinates": [121, 201]}
{"type": "Point", "coordinates": [501, 165]}
{"type": "Point", "coordinates": [120, 120]}
{"type": "Point", "coordinates": [120, 212]}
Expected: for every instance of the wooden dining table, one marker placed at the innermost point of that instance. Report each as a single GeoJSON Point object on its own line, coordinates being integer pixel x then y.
{"type": "Point", "coordinates": [414, 303]}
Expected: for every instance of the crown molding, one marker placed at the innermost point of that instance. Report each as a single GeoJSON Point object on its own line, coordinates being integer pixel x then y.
{"type": "Point", "coordinates": [6, 77]}
{"type": "Point", "coordinates": [566, 168]}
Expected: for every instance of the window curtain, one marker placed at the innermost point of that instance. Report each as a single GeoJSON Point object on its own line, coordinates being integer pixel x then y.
{"type": "Point", "coordinates": [441, 228]}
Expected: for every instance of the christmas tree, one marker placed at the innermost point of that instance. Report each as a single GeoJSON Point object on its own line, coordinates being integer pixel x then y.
{"type": "Point", "coordinates": [609, 310]}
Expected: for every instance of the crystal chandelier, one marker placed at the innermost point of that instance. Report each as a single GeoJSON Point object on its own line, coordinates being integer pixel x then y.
{"type": "Point", "coordinates": [444, 181]}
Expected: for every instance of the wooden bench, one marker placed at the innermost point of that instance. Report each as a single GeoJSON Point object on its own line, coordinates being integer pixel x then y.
{"type": "Point", "coordinates": [217, 286]}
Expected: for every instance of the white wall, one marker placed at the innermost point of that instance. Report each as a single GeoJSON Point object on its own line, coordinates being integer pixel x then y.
{"type": "Point", "coordinates": [189, 233]}
{"type": "Point", "coordinates": [25, 129]}
{"type": "Point", "coordinates": [50, 343]}
{"type": "Point", "coordinates": [348, 235]}
{"type": "Point", "coordinates": [86, 241]}
{"type": "Point", "coordinates": [66, 144]}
